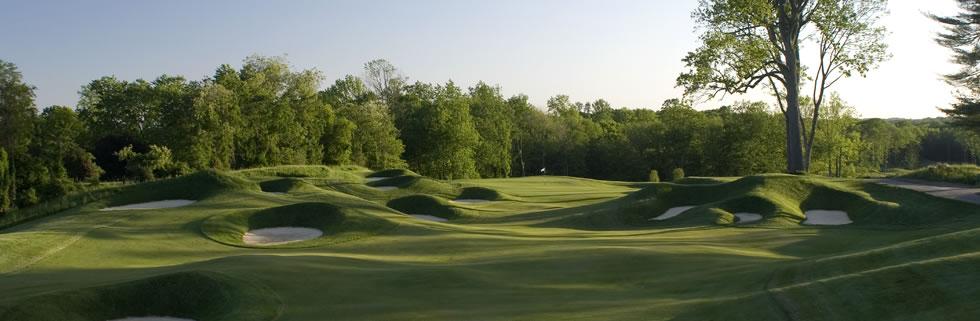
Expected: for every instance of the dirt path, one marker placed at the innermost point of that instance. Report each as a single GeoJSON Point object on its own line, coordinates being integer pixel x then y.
{"type": "Point", "coordinates": [958, 192]}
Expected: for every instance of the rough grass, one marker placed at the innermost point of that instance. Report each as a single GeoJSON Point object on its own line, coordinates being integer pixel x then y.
{"type": "Point", "coordinates": [189, 295]}
{"type": "Point", "coordinates": [552, 248]}
{"type": "Point", "coordinates": [958, 174]}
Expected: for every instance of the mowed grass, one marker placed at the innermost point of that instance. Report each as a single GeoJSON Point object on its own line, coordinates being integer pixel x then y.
{"type": "Point", "coordinates": [542, 248]}
{"type": "Point", "coordinates": [959, 174]}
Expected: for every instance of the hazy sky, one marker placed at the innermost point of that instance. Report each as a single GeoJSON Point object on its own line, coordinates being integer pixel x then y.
{"type": "Point", "coordinates": [627, 52]}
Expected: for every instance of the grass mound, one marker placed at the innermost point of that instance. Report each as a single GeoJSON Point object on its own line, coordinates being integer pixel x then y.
{"type": "Point", "coordinates": [287, 185]}
{"type": "Point", "coordinates": [394, 172]}
{"type": "Point", "coordinates": [417, 184]}
{"type": "Point", "coordinates": [197, 186]}
{"type": "Point", "coordinates": [426, 205]}
{"type": "Point", "coordinates": [349, 173]}
{"type": "Point", "coordinates": [193, 295]}
{"type": "Point", "coordinates": [338, 224]}
{"type": "Point", "coordinates": [481, 193]}
{"type": "Point", "coordinates": [782, 200]}
{"type": "Point", "coordinates": [959, 174]}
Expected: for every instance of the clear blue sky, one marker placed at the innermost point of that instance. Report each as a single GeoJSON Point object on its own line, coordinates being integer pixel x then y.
{"type": "Point", "coordinates": [627, 52]}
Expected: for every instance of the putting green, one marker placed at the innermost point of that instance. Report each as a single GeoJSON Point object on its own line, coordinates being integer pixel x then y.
{"type": "Point", "coordinates": [544, 248]}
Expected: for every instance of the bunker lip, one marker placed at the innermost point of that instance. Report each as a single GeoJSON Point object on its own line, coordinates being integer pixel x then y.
{"type": "Point", "coordinates": [386, 188]}
{"type": "Point", "coordinates": [672, 212]}
{"type": "Point", "coordinates": [280, 235]}
{"type": "Point", "coordinates": [429, 217]}
{"type": "Point", "coordinates": [746, 217]}
{"type": "Point", "coordinates": [151, 318]}
{"type": "Point", "coordinates": [151, 205]}
{"type": "Point", "coordinates": [826, 217]}
{"type": "Point", "coordinates": [375, 179]}
{"type": "Point", "coordinates": [470, 201]}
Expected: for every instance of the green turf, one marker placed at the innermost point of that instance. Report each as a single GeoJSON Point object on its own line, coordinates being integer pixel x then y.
{"type": "Point", "coordinates": [192, 295]}
{"type": "Point", "coordinates": [959, 174]}
{"type": "Point", "coordinates": [545, 248]}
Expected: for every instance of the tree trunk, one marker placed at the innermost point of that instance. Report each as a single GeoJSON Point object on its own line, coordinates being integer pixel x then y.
{"type": "Point", "coordinates": [794, 142]}
{"type": "Point", "coordinates": [789, 22]}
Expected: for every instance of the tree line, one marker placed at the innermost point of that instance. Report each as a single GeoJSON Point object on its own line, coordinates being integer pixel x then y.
{"type": "Point", "coordinates": [265, 113]}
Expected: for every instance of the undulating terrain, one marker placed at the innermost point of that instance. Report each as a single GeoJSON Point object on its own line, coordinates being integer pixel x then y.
{"type": "Point", "coordinates": [536, 248]}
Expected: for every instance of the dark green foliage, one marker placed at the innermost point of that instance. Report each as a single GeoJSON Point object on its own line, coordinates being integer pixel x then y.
{"type": "Point", "coordinates": [157, 162]}
{"type": "Point", "coordinates": [492, 120]}
{"type": "Point", "coordinates": [6, 183]}
{"type": "Point", "coordinates": [80, 166]}
{"type": "Point", "coordinates": [961, 36]}
{"type": "Point", "coordinates": [194, 295]}
{"type": "Point", "coordinates": [338, 224]}
{"type": "Point", "coordinates": [437, 128]}
{"type": "Point", "coordinates": [677, 174]}
{"type": "Point", "coordinates": [374, 141]}
{"type": "Point", "coordinates": [654, 176]}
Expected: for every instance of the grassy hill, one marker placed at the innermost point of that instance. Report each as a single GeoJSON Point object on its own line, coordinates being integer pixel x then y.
{"type": "Point", "coordinates": [536, 248]}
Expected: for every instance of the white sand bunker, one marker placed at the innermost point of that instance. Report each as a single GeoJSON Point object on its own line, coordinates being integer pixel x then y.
{"type": "Point", "coordinates": [747, 217]}
{"type": "Point", "coordinates": [375, 179]}
{"type": "Point", "coordinates": [151, 205]}
{"type": "Point", "coordinates": [471, 201]}
{"type": "Point", "coordinates": [150, 319]}
{"type": "Point", "coordinates": [429, 218]}
{"type": "Point", "coordinates": [674, 211]}
{"type": "Point", "coordinates": [280, 235]}
{"type": "Point", "coordinates": [386, 188]}
{"type": "Point", "coordinates": [825, 217]}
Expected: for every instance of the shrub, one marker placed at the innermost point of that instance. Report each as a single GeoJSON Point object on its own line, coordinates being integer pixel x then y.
{"type": "Point", "coordinates": [654, 176]}
{"type": "Point", "coordinates": [677, 174]}
{"type": "Point", "coordinates": [81, 166]}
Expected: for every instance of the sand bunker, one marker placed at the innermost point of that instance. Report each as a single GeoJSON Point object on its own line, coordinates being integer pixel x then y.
{"type": "Point", "coordinates": [386, 188]}
{"type": "Point", "coordinates": [825, 217]}
{"type": "Point", "coordinates": [375, 179]}
{"type": "Point", "coordinates": [672, 212]}
{"type": "Point", "coordinates": [280, 235]}
{"type": "Point", "coordinates": [471, 201]}
{"type": "Point", "coordinates": [429, 218]}
{"type": "Point", "coordinates": [151, 205]}
{"type": "Point", "coordinates": [151, 319]}
{"type": "Point", "coordinates": [747, 217]}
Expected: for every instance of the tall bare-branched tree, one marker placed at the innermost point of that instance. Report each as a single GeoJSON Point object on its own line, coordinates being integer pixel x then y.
{"type": "Point", "coordinates": [757, 43]}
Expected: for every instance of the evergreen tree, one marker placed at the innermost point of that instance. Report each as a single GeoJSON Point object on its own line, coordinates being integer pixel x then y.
{"type": "Point", "coordinates": [962, 36]}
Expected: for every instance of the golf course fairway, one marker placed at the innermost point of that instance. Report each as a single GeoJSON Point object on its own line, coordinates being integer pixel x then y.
{"type": "Point", "coordinates": [534, 248]}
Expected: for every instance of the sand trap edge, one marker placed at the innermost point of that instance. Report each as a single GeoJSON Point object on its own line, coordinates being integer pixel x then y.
{"type": "Point", "coordinates": [280, 235]}
{"type": "Point", "coordinates": [429, 218]}
{"type": "Point", "coordinates": [746, 217]}
{"type": "Point", "coordinates": [151, 205]}
{"type": "Point", "coordinates": [826, 217]}
{"type": "Point", "coordinates": [672, 212]}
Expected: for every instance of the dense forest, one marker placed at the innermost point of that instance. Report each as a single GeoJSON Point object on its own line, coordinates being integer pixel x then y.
{"type": "Point", "coordinates": [266, 113]}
